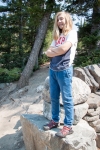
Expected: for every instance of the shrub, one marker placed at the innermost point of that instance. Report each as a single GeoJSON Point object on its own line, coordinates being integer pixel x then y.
{"type": "Point", "coordinates": [9, 75]}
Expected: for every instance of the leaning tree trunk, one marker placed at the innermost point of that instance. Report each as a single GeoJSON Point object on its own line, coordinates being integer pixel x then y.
{"type": "Point", "coordinates": [24, 79]}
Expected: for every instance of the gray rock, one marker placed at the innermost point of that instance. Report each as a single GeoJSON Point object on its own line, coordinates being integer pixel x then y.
{"type": "Point", "coordinates": [97, 92]}
{"type": "Point", "coordinates": [39, 88]}
{"type": "Point", "coordinates": [95, 71]}
{"type": "Point", "coordinates": [2, 86]}
{"type": "Point", "coordinates": [94, 123]}
{"type": "Point", "coordinates": [94, 83]}
{"type": "Point", "coordinates": [93, 101]}
{"type": "Point", "coordinates": [35, 138]}
{"type": "Point", "coordinates": [98, 65]}
{"type": "Point", "coordinates": [80, 73]}
{"type": "Point", "coordinates": [90, 111]}
{"type": "Point", "coordinates": [95, 113]}
{"type": "Point", "coordinates": [97, 128]}
{"type": "Point", "coordinates": [88, 118]}
{"type": "Point", "coordinates": [98, 140]}
{"type": "Point", "coordinates": [80, 91]}
{"type": "Point", "coordinates": [80, 111]}
{"type": "Point", "coordinates": [47, 111]}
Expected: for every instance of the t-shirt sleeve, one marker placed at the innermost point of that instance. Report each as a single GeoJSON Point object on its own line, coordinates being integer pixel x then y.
{"type": "Point", "coordinates": [53, 43]}
{"type": "Point", "coordinates": [72, 37]}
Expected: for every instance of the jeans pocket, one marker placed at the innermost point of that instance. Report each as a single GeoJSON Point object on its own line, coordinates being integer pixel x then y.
{"type": "Point", "coordinates": [69, 72]}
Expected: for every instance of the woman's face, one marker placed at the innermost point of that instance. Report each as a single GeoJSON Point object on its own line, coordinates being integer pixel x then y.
{"type": "Point", "coordinates": [61, 21]}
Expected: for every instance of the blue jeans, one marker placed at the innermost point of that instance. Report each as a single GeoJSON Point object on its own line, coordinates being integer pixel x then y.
{"type": "Point", "coordinates": [61, 81]}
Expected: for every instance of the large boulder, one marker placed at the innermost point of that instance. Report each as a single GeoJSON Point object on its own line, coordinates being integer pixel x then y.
{"type": "Point", "coordinates": [80, 91]}
{"type": "Point", "coordinates": [35, 138]}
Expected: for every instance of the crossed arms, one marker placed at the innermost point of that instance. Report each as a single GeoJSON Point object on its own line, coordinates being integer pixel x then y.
{"type": "Point", "coordinates": [56, 51]}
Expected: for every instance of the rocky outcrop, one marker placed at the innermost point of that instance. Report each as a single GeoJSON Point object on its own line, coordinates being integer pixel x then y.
{"type": "Point", "coordinates": [93, 114]}
{"type": "Point", "coordinates": [90, 75]}
{"type": "Point", "coordinates": [36, 138]}
{"type": "Point", "coordinates": [86, 123]}
{"type": "Point", "coordinates": [86, 104]}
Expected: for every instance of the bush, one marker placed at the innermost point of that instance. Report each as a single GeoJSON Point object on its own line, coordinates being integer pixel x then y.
{"type": "Point", "coordinates": [9, 75]}
{"type": "Point", "coordinates": [84, 59]}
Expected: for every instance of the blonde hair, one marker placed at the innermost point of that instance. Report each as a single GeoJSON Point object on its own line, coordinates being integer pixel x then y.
{"type": "Point", "coordinates": [67, 27]}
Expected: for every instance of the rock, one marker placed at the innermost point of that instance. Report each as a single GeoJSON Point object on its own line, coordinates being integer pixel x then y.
{"type": "Point", "coordinates": [80, 91]}
{"type": "Point", "coordinates": [98, 109]}
{"type": "Point", "coordinates": [39, 88]}
{"type": "Point", "coordinates": [98, 65]}
{"type": "Point", "coordinates": [97, 92]}
{"type": "Point", "coordinates": [79, 112]}
{"type": "Point", "coordinates": [94, 123]}
{"type": "Point", "coordinates": [35, 138]}
{"type": "Point", "coordinates": [80, 73]}
{"type": "Point", "coordinates": [47, 111]}
{"type": "Point", "coordinates": [95, 71]}
{"type": "Point", "coordinates": [2, 86]}
{"type": "Point", "coordinates": [46, 94]}
{"type": "Point", "coordinates": [88, 118]}
{"type": "Point", "coordinates": [93, 101]}
{"type": "Point", "coordinates": [97, 128]}
{"type": "Point", "coordinates": [90, 111]}
{"type": "Point", "coordinates": [98, 140]}
{"type": "Point", "coordinates": [94, 83]}
{"type": "Point", "coordinates": [93, 113]}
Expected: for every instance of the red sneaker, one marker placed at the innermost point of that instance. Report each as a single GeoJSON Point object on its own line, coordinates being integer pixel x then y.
{"type": "Point", "coordinates": [64, 132]}
{"type": "Point", "coordinates": [51, 125]}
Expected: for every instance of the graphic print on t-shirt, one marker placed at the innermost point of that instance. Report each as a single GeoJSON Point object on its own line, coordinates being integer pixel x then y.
{"type": "Point", "coordinates": [60, 41]}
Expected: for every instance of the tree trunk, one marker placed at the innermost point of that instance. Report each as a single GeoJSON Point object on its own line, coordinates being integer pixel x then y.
{"type": "Point", "coordinates": [20, 30]}
{"type": "Point", "coordinates": [24, 79]}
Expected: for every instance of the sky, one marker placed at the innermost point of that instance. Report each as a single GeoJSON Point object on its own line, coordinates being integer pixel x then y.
{"type": "Point", "coordinates": [1, 3]}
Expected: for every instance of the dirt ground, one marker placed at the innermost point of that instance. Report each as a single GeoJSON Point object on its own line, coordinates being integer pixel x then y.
{"type": "Point", "coordinates": [11, 107]}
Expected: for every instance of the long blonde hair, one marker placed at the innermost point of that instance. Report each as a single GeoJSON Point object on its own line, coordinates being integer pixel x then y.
{"type": "Point", "coordinates": [67, 27]}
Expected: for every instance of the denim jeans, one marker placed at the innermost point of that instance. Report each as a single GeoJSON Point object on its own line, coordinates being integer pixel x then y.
{"type": "Point", "coordinates": [61, 81]}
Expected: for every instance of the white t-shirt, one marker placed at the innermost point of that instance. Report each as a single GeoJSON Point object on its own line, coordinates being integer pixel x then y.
{"type": "Point", "coordinates": [63, 61]}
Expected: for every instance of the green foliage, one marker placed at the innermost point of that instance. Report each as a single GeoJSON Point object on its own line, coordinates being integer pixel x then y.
{"type": "Point", "coordinates": [43, 59]}
{"type": "Point", "coordinates": [87, 51]}
{"type": "Point", "coordinates": [13, 60]}
{"type": "Point", "coordinates": [48, 40]}
{"type": "Point", "coordinates": [83, 59]}
{"type": "Point", "coordinates": [9, 75]}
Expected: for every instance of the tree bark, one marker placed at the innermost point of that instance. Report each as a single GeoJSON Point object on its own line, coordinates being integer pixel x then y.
{"type": "Point", "coordinates": [24, 79]}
